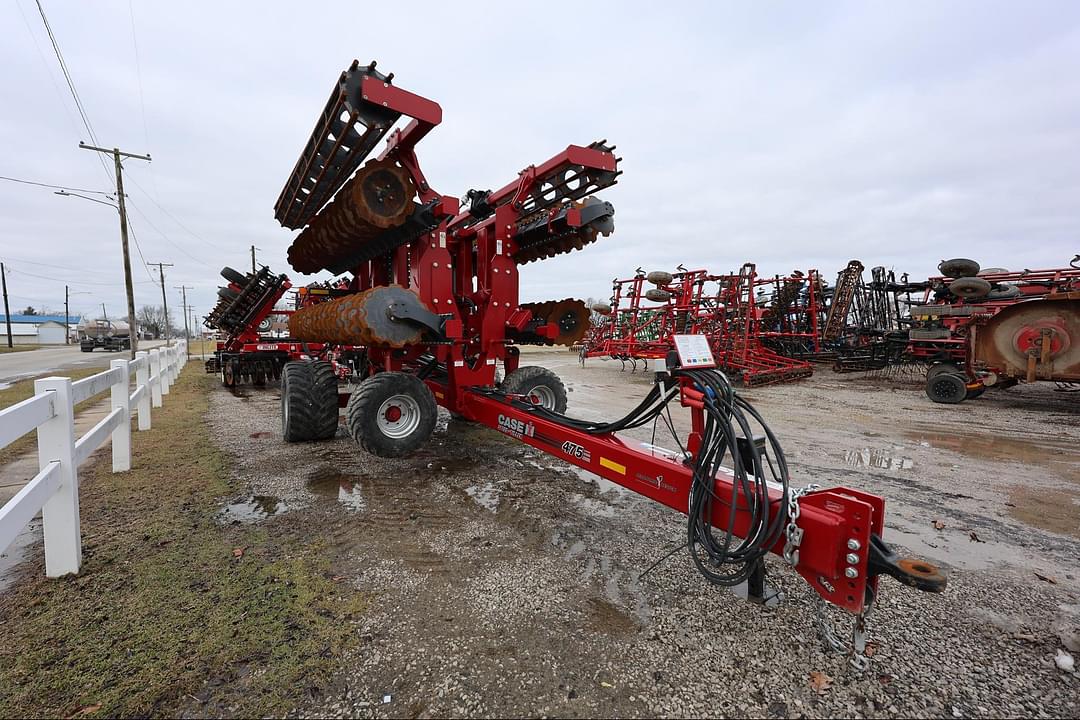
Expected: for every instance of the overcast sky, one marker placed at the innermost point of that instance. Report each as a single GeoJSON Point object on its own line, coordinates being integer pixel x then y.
{"type": "Point", "coordinates": [793, 135]}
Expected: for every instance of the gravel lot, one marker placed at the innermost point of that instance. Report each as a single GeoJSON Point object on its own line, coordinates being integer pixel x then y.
{"type": "Point", "coordinates": [504, 583]}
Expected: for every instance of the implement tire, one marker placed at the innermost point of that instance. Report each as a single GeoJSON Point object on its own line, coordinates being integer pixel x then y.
{"type": "Point", "coordinates": [539, 385]}
{"type": "Point", "coordinates": [324, 401]}
{"type": "Point", "coordinates": [947, 388]}
{"type": "Point", "coordinates": [299, 413]}
{"type": "Point", "coordinates": [391, 414]}
{"type": "Point", "coordinates": [234, 276]}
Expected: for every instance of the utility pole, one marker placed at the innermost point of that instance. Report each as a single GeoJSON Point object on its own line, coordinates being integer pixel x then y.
{"type": "Point", "coordinates": [164, 300]}
{"type": "Point", "coordinates": [7, 312]}
{"type": "Point", "coordinates": [67, 316]}
{"type": "Point", "coordinates": [253, 271]}
{"type": "Point", "coordinates": [116, 153]}
{"type": "Point", "coordinates": [187, 329]}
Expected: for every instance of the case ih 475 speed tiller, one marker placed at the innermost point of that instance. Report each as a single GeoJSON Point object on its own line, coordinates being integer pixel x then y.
{"type": "Point", "coordinates": [433, 301]}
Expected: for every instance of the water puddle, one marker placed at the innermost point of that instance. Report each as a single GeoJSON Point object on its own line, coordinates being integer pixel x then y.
{"type": "Point", "coordinates": [17, 552]}
{"type": "Point", "coordinates": [879, 459]}
{"type": "Point", "coordinates": [252, 509]}
{"type": "Point", "coordinates": [486, 496]}
{"type": "Point", "coordinates": [4, 385]}
{"type": "Point", "coordinates": [1057, 456]}
{"type": "Point", "coordinates": [1047, 508]}
{"type": "Point", "coordinates": [339, 486]}
{"type": "Point", "coordinates": [596, 508]}
{"type": "Point", "coordinates": [602, 484]}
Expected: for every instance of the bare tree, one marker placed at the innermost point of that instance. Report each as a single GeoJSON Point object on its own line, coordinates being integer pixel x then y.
{"type": "Point", "coordinates": [151, 319]}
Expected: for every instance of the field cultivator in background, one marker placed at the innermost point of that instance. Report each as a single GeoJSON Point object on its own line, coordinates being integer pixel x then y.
{"type": "Point", "coordinates": [647, 311]}
{"type": "Point", "coordinates": [995, 328]}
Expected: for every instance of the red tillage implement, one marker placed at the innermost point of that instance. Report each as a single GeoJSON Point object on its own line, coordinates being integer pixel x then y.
{"type": "Point", "coordinates": [434, 303]}
{"type": "Point", "coordinates": [641, 322]}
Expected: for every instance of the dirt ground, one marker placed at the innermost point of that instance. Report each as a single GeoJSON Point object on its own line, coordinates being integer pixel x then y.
{"type": "Point", "coordinates": [501, 582]}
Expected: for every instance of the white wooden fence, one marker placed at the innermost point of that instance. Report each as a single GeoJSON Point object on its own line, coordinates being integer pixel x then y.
{"type": "Point", "coordinates": [54, 491]}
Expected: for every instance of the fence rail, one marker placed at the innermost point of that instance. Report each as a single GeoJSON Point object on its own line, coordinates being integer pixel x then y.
{"type": "Point", "coordinates": [54, 491]}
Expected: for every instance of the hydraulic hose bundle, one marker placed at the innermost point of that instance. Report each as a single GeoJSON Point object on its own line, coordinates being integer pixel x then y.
{"type": "Point", "coordinates": [719, 554]}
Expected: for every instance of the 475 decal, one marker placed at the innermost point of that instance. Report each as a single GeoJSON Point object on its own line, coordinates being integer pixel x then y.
{"type": "Point", "coordinates": [576, 451]}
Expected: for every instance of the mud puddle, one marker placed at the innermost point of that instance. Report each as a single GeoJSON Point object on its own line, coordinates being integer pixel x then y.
{"type": "Point", "coordinates": [345, 489]}
{"type": "Point", "coordinates": [17, 552]}
{"type": "Point", "coordinates": [1054, 510]}
{"type": "Point", "coordinates": [252, 509]}
{"type": "Point", "coordinates": [1057, 456]}
{"type": "Point", "coordinates": [486, 496]}
{"type": "Point", "coordinates": [875, 458]}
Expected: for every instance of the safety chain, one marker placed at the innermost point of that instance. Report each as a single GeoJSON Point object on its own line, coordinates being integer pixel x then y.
{"type": "Point", "coordinates": [793, 533]}
{"type": "Point", "coordinates": [827, 633]}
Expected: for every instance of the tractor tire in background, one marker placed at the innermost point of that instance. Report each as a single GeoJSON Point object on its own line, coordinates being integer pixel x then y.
{"type": "Point", "coordinates": [324, 401]}
{"type": "Point", "coordinates": [391, 414]}
{"type": "Point", "coordinates": [970, 288]}
{"type": "Point", "coordinates": [541, 386]}
{"type": "Point", "coordinates": [227, 293]}
{"type": "Point", "coordinates": [947, 388]}
{"type": "Point", "coordinates": [234, 276]}
{"type": "Point", "coordinates": [958, 268]}
{"type": "Point", "coordinates": [660, 277]}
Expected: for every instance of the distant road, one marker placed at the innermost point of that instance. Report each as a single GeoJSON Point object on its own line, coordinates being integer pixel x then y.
{"type": "Point", "coordinates": [17, 365]}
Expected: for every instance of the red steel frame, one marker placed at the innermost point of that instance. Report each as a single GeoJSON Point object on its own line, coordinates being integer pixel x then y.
{"type": "Point", "coordinates": [464, 270]}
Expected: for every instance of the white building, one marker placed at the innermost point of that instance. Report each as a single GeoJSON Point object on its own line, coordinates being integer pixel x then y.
{"type": "Point", "coordinates": [36, 329]}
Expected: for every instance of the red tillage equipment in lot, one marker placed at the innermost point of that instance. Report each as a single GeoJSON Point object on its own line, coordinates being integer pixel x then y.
{"type": "Point", "coordinates": [434, 302]}
{"type": "Point", "coordinates": [994, 328]}
{"type": "Point", "coordinates": [641, 322]}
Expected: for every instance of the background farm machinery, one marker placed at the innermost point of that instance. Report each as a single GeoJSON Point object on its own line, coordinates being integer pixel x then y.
{"type": "Point", "coordinates": [641, 322]}
{"type": "Point", "coordinates": [432, 302]}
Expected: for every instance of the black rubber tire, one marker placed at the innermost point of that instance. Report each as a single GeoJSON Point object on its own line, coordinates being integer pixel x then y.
{"type": "Point", "coordinates": [958, 267]}
{"type": "Point", "coordinates": [942, 367]}
{"type": "Point", "coordinates": [230, 373]}
{"type": "Point", "coordinates": [234, 276]}
{"type": "Point", "coordinates": [947, 388]}
{"type": "Point", "coordinates": [970, 287]}
{"type": "Point", "coordinates": [89, 349]}
{"type": "Point", "coordinates": [657, 295]}
{"type": "Point", "coordinates": [227, 293]}
{"type": "Point", "coordinates": [297, 416]}
{"type": "Point", "coordinates": [324, 401]}
{"type": "Point", "coordinates": [660, 277]}
{"type": "Point", "coordinates": [525, 379]}
{"type": "Point", "coordinates": [362, 413]}
{"type": "Point", "coordinates": [1004, 291]}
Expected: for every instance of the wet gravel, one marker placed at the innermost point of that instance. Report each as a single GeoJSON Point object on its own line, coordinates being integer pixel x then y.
{"type": "Point", "coordinates": [503, 584]}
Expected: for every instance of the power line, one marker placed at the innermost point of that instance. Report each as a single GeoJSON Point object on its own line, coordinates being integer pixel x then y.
{"type": "Point", "coordinates": [75, 282]}
{"type": "Point", "coordinates": [172, 217]}
{"type": "Point", "coordinates": [138, 74]}
{"type": "Point", "coordinates": [166, 237]}
{"type": "Point", "coordinates": [138, 248]}
{"type": "Point", "coordinates": [70, 83]}
{"type": "Point", "coordinates": [48, 68]}
{"type": "Point", "coordinates": [57, 187]}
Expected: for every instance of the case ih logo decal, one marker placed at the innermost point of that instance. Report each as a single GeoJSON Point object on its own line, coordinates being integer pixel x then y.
{"type": "Point", "coordinates": [515, 427]}
{"type": "Point", "coordinates": [576, 451]}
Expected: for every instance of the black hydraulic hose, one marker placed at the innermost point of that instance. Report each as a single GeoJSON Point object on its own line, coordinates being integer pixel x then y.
{"type": "Point", "coordinates": [723, 557]}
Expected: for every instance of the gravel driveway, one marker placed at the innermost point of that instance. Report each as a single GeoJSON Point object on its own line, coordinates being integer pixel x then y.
{"type": "Point", "coordinates": [503, 583]}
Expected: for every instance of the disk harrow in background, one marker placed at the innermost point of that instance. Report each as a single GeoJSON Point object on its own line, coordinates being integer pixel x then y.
{"type": "Point", "coordinates": [571, 316]}
{"type": "Point", "coordinates": [360, 319]}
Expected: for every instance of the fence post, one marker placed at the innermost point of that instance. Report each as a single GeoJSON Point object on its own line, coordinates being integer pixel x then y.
{"type": "Point", "coordinates": [60, 514]}
{"type": "Point", "coordinates": [121, 436]}
{"type": "Point", "coordinates": [142, 377]}
{"type": "Point", "coordinates": [166, 370]}
{"type": "Point", "coordinates": [155, 369]}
